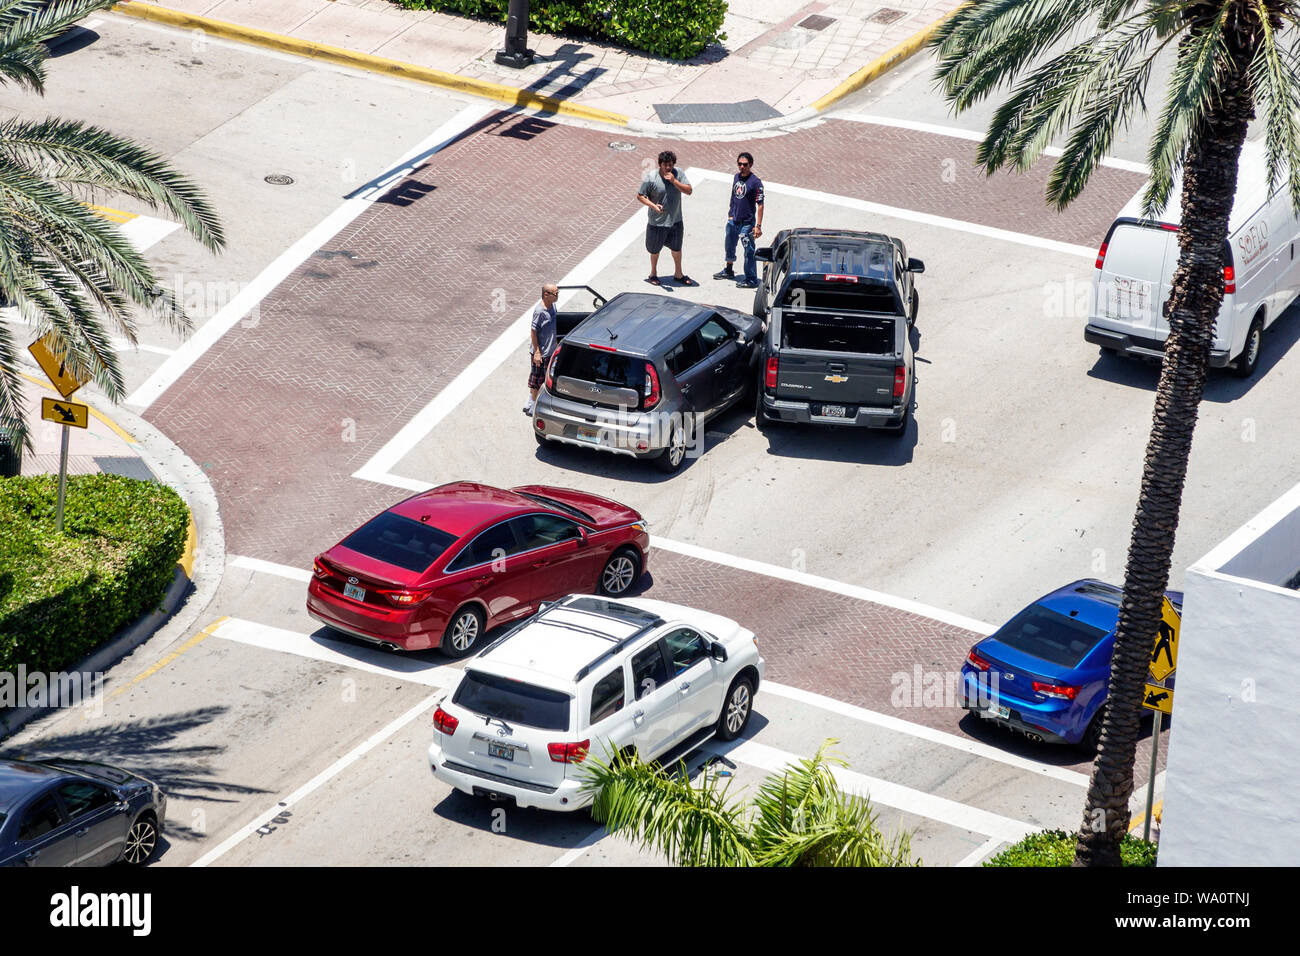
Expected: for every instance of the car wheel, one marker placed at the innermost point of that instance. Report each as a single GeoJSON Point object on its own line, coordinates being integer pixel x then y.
{"type": "Point", "coordinates": [760, 302]}
{"type": "Point", "coordinates": [761, 421]}
{"type": "Point", "coordinates": [899, 430]}
{"type": "Point", "coordinates": [736, 709]}
{"type": "Point", "coordinates": [463, 632]}
{"type": "Point", "coordinates": [916, 307]}
{"type": "Point", "coordinates": [541, 439]}
{"type": "Point", "coordinates": [141, 841]}
{"type": "Point", "coordinates": [672, 457]}
{"type": "Point", "coordinates": [620, 573]}
{"type": "Point", "coordinates": [1248, 360]}
{"type": "Point", "coordinates": [1092, 736]}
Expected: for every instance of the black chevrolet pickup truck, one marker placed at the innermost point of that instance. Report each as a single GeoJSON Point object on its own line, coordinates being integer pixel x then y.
{"type": "Point", "coordinates": [837, 349]}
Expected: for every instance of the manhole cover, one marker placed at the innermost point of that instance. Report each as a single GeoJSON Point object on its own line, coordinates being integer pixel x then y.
{"type": "Point", "coordinates": [279, 179]}
{"type": "Point", "coordinates": [886, 15]}
{"type": "Point", "coordinates": [816, 22]}
{"type": "Point", "coordinates": [622, 145]}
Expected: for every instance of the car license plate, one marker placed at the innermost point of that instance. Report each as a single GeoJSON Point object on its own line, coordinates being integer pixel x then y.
{"type": "Point", "coordinates": [834, 411]}
{"type": "Point", "coordinates": [1003, 713]}
{"type": "Point", "coordinates": [497, 750]}
{"type": "Point", "coordinates": [354, 592]}
{"type": "Point", "coordinates": [589, 434]}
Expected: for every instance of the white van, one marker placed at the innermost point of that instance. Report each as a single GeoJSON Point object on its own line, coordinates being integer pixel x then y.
{"type": "Point", "coordinates": [1261, 273]}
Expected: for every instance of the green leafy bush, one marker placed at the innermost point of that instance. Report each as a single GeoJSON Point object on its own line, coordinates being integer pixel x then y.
{"type": "Point", "coordinates": [1056, 848]}
{"type": "Point", "coordinates": [677, 29]}
{"type": "Point", "coordinates": [63, 595]}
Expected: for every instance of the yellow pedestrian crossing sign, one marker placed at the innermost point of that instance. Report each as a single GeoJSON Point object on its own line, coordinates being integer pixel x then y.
{"type": "Point", "coordinates": [65, 413]}
{"type": "Point", "coordinates": [1164, 652]}
{"type": "Point", "coordinates": [52, 364]}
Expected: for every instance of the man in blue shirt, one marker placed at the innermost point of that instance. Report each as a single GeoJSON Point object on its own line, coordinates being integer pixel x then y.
{"type": "Point", "coordinates": [544, 341]}
{"type": "Point", "coordinates": [744, 222]}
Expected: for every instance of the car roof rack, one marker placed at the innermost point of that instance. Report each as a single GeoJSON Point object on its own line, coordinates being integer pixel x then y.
{"type": "Point", "coordinates": [621, 645]}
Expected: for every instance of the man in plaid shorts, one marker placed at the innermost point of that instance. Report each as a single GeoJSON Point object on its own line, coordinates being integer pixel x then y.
{"type": "Point", "coordinates": [543, 342]}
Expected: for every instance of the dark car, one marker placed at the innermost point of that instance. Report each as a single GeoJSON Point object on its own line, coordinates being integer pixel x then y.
{"type": "Point", "coordinates": [641, 375]}
{"type": "Point", "coordinates": [837, 350]}
{"type": "Point", "coordinates": [1045, 672]}
{"type": "Point", "coordinates": [442, 567]}
{"type": "Point", "coordinates": [76, 813]}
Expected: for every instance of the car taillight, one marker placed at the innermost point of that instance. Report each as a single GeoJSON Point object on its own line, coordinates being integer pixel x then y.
{"type": "Point", "coordinates": [769, 378]}
{"type": "Point", "coordinates": [603, 348]}
{"type": "Point", "coordinates": [839, 278]}
{"type": "Point", "coordinates": [550, 371]}
{"type": "Point", "coordinates": [445, 722]}
{"type": "Point", "coordinates": [900, 380]}
{"type": "Point", "coordinates": [1101, 255]}
{"type": "Point", "coordinates": [569, 753]}
{"type": "Point", "coordinates": [1229, 280]}
{"type": "Point", "coordinates": [319, 569]}
{"type": "Point", "coordinates": [977, 661]}
{"type": "Point", "coordinates": [651, 387]}
{"type": "Point", "coordinates": [407, 597]}
{"type": "Point", "coordinates": [1062, 691]}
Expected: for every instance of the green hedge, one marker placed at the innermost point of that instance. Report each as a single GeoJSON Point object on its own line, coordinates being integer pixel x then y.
{"type": "Point", "coordinates": [677, 29]}
{"type": "Point", "coordinates": [1056, 848]}
{"type": "Point", "coordinates": [62, 596]}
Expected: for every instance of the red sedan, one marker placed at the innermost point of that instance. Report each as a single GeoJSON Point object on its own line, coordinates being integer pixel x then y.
{"type": "Point", "coordinates": [443, 567]}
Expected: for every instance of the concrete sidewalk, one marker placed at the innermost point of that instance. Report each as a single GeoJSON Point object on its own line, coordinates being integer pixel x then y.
{"type": "Point", "coordinates": [780, 59]}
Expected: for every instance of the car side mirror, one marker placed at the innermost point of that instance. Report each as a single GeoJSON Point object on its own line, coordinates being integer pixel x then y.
{"type": "Point", "coordinates": [583, 537]}
{"type": "Point", "coordinates": [718, 652]}
{"type": "Point", "coordinates": [764, 254]}
{"type": "Point", "coordinates": [915, 265]}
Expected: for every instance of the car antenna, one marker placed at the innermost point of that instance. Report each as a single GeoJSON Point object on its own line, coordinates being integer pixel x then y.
{"type": "Point", "coordinates": [612, 334]}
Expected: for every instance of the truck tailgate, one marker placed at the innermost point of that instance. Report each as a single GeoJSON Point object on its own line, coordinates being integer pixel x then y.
{"type": "Point", "coordinates": [836, 378]}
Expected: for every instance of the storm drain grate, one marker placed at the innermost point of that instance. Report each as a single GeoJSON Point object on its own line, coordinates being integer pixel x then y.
{"type": "Point", "coordinates": [816, 22]}
{"type": "Point", "coordinates": [279, 179]}
{"type": "Point", "coordinates": [622, 146]}
{"type": "Point", "coordinates": [886, 15]}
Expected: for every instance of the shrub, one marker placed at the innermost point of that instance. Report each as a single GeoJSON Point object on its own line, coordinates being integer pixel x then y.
{"type": "Point", "coordinates": [63, 595]}
{"type": "Point", "coordinates": [677, 29]}
{"type": "Point", "coordinates": [1056, 848]}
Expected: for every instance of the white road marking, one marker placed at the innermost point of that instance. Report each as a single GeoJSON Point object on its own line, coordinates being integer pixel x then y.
{"type": "Point", "coordinates": [587, 842]}
{"type": "Point", "coordinates": [980, 853]}
{"type": "Point", "coordinates": [124, 346]}
{"type": "Point", "coordinates": [270, 567]}
{"type": "Point", "coordinates": [958, 133]}
{"type": "Point", "coordinates": [378, 469]}
{"type": "Point", "coordinates": [145, 231]}
{"type": "Point", "coordinates": [925, 218]}
{"type": "Point", "coordinates": [824, 584]}
{"type": "Point", "coordinates": [885, 792]}
{"type": "Point", "coordinates": [429, 672]}
{"type": "Point", "coordinates": [315, 782]}
{"type": "Point", "coordinates": [225, 319]}
{"type": "Point", "coordinates": [928, 734]}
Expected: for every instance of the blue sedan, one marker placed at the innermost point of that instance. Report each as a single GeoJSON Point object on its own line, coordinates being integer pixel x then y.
{"type": "Point", "coordinates": [1044, 673]}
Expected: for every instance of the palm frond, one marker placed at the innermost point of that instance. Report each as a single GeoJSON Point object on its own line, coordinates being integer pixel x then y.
{"type": "Point", "coordinates": [25, 25]}
{"type": "Point", "coordinates": [1201, 59]}
{"type": "Point", "coordinates": [12, 410]}
{"type": "Point", "coordinates": [74, 153]}
{"type": "Point", "coordinates": [1275, 82]}
{"type": "Point", "coordinates": [690, 825]}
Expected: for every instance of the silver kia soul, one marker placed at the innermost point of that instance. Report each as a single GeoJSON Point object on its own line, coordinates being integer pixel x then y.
{"type": "Point", "coordinates": [641, 375]}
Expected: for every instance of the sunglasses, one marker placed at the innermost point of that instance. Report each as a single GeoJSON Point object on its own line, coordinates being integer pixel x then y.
{"type": "Point", "coordinates": [741, 162]}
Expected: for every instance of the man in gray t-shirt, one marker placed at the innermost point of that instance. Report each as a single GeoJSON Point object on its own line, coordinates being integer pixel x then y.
{"type": "Point", "coordinates": [661, 192]}
{"type": "Point", "coordinates": [543, 342]}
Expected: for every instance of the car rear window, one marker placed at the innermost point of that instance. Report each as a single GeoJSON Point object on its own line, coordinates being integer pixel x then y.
{"type": "Point", "coordinates": [859, 296]}
{"type": "Point", "coordinates": [833, 333]}
{"type": "Point", "coordinates": [405, 542]}
{"type": "Point", "coordinates": [1050, 636]}
{"type": "Point", "coordinates": [601, 367]}
{"type": "Point", "coordinates": [513, 701]}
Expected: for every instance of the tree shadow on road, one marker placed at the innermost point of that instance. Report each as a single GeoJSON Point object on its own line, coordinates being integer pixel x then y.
{"type": "Point", "coordinates": [152, 748]}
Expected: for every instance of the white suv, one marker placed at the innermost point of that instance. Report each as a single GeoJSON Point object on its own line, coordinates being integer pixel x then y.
{"type": "Point", "coordinates": [591, 674]}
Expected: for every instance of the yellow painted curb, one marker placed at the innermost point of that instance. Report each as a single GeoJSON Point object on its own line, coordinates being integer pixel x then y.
{"type": "Point", "coordinates": [366, 61]}
{"type": "Point", "coordinates": [883, 64]}
{"type": "Point", "coordinates": [1156, 809]}
{"type": "Point", "coordinates": [191, 540]}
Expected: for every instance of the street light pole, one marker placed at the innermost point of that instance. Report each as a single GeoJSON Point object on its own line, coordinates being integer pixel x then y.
{"type": "Point", "coordinates": [516, 52]}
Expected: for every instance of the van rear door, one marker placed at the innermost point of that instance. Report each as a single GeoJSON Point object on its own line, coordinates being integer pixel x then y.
{"type": "Point", "coordinates": [1134, 282]}
{"type": "Point", "coordinates": [837, 359]}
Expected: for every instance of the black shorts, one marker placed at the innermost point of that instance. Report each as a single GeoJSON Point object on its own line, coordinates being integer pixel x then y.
{"type": "Point", "coordinates": [656, 237]}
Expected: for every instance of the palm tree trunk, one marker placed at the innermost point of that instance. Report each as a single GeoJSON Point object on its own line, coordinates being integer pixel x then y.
{"type": "Point", "coordinates": [1209, 186]}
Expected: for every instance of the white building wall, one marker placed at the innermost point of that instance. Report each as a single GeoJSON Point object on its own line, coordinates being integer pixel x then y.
{"type": "Point", "coordinates": [1232, 787]}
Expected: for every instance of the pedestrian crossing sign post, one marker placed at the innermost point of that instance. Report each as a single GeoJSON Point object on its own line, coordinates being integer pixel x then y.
{"type": "Point", "coordinates": [1158, 697]}
{"type": "Point", "coordinates": [68, 414]}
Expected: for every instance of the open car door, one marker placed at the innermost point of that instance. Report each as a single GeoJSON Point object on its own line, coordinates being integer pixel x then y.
{"type": "Point", "coordinates": [576, 302]}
